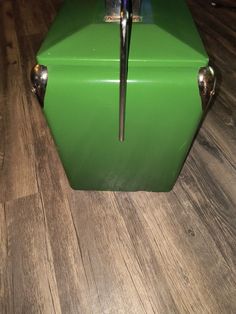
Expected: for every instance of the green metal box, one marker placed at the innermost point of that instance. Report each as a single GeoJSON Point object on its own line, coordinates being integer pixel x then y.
{"type": "Point", "coordinates": [167, 65]}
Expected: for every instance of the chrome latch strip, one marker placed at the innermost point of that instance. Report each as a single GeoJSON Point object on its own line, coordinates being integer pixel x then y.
{"type": "Point", "coordinates": [125, 34]}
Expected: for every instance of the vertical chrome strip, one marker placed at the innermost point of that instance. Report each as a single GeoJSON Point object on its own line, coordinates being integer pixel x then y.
{"type": "Point", "coordinates": [125, 32]}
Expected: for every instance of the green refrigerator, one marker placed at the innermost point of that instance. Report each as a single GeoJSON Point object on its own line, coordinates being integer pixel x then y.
{"type": "Point", "coordinates": [123, 85]}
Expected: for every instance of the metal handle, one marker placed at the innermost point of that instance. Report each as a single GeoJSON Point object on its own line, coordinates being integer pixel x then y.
{"type": "Point", "coordinates": [125, 33]}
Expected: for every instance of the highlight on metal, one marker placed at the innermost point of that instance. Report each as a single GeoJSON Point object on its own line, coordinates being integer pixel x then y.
{"type": "Point", "coordinates": [39, 79]}
{"type": "Point", "coordinates": [207, 85]}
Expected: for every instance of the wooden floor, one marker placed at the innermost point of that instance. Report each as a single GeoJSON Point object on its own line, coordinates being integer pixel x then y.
{"type": "Point", "coordinates": [64, 251]}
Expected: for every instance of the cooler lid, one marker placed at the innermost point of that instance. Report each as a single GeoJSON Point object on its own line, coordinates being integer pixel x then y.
{"type": "Point", "coordinates": [166, 35]}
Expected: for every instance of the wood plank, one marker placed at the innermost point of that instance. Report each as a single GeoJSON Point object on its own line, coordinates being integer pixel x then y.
{"type": "Point", "coordinates": [72, 282]}
{"type": "Point", "coordinates": [120, 276]}
{"type": "Point", "coordinates": [3, 259]}
{"type": "Point", "coordinates": [17, 169]}
{"type": "Point", "coordinates": [176, 237]}
{"type": "Point", "coordinates": [28, 276]}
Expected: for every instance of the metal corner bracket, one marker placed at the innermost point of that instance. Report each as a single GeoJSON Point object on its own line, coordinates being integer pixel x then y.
{"type": "Point", "coordinates": [207, 85]}
{"type": "Point", "coordinates": [39, 79]}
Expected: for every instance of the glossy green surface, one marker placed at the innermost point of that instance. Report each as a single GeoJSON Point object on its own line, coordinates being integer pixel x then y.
{"type": "Point", "coordinates": [163, 102]}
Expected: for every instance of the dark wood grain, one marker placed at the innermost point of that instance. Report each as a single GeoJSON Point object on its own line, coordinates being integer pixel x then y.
{"type": "Point", "coordinates": [65, 251]}
{"type": "Point", "coordinates": [17, 155]}
{"type": "Point", "coordinates": [29, 274]}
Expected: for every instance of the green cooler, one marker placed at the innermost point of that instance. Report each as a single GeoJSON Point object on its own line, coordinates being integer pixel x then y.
{"type": "Point", "coordinates": [123, 85]}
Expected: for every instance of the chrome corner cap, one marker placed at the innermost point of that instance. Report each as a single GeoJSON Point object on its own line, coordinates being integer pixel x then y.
{"type": "Point", "coordinates": [39, 79]}
{"type": "Point", "coordinates": [207, 85]}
